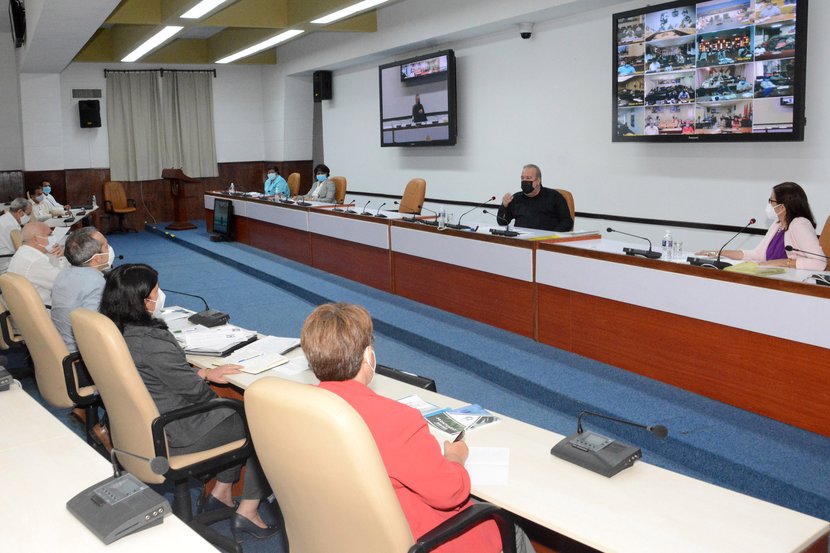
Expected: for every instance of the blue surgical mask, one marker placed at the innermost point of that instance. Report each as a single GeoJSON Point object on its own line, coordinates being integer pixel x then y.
{"type": "Point", "coordinates": [271, 175]}
{"type": "Point", "coordinates": [321, 178]}
{"type": "Point", "coordinates": [47, 189]}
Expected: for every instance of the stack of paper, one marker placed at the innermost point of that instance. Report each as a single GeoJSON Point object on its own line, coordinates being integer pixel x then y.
{"type": "Point", "coordinates": [451, 422]}
{"type": "Point", "coordinates": [263, 355]}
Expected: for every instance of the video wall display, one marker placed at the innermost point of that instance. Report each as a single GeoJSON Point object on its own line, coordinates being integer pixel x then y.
{"type": "Point", "coordinates": [710, 70]}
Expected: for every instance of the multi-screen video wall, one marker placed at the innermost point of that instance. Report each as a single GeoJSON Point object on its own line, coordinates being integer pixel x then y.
{"type": "Point", "coordinates": [714, 70]}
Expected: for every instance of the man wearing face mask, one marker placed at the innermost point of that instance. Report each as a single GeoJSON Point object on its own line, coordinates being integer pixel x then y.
{"type": "Point", "coordinates": [275, 184]}
{"type": "Point", "coordinates": [82, 282]}
{"type": "Point", "coordinates": [50, 200]}
{"type": "Point", "coordinates": [535, 206]}
{"type": "Point", "coordinates": [16, 216]}
{"type": "Point", "coordinates": [36, 260]}
{"type": "Point", "coordinates": [41, 210]}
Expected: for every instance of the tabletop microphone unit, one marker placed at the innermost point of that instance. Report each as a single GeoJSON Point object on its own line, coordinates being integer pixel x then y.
{"type": "Point", "coordinates": [599, 453]}
{"type": "Point", "coordinates": [378, 214]}
{"type": "Point", "coordinates": [424, 221]}
{"type": "Point", "coordinates": [287, 201]}
{"type": "Point", "coordinates": [302, 202]}
{"type": "Point", "coordinates": [459, 226]}
{"type": "Point", "coordinates": [346, 208]}
{"type": "Point", "coordinates": [411, 219]}
{"type": "Point", "coordinates": [209, 317]}
{"type": "Point", "coordinates": [499, 232]}
{"type": "Point", "coordinates": [159, 465]}
{"type": "Point", "coordinates": [365, 212]}
{"type": "Point", "coordinates": [650, 254]}
{"type": "Point", "coordinates": [823, 280]}
{"type": "Point", "coordinates": [717, 263]}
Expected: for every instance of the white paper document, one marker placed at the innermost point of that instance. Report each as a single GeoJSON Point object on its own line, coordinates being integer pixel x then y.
{"type": "Point", "coordinates": [488, 465]}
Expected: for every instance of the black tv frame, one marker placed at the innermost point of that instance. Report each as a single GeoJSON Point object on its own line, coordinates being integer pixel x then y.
{"type": "Point", "coordinates": [799, 85]}
{"type": "Point", "coordinates": [452, 98]}
{"type": "Point", "coordinates": [219, 235]}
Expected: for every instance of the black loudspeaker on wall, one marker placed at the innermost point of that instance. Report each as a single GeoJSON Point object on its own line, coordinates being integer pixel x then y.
{"type": "Point", "coordinates": [90, 113]}
{"type": "Point", "coordinates": [322, 85]}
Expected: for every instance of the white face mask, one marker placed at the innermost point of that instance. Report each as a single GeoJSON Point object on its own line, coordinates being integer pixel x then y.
{"type": "Point", "coordinates": [159, 304]}
{"type": "Point", "coordinates": [106, 265]}
{"type": "Point", "coordinates": [374, 362]}
{"type": "Point", "coordinates": [110, 256]}
{"type": "Point", "coordinates": [772, 215]}
{"type": "Point", "coordinates": [24, 219]}
{"type": "Point", "coordinates": [40, 198]}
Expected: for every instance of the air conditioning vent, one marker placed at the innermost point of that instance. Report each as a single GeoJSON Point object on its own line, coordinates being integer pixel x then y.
{"type": "Point", "coordinates": [86, 93]}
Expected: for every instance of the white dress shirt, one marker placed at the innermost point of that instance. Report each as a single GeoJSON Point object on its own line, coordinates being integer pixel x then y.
{"type": "Point", "coordinates": [52, 202]}
{"type": "Point", "coordinates": [7, 224]}
{"type": "Point", "coordinates": [39, 268]}
{"type": "Point", "coordinates": [42, 211]}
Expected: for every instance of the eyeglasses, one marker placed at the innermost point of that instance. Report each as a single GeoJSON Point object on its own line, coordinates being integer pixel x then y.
{"type": "Point", "coordinates": [773, 202]}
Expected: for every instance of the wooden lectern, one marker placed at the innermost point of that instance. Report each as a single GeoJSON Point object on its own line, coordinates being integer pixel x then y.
{"type": "Point", "coordinates": [176, 178]}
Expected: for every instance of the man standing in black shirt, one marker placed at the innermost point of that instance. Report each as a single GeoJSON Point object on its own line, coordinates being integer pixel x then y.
{"type": "Point", "coordinates": [535, 206]}
{"type": "Point", "coordinates": [418, 114]}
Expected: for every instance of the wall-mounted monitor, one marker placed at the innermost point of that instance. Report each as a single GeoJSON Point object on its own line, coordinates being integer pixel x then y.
{"type": "Point", "coordinates": [418, 101]}
{"type": "Point", "coordinates": [715, 70]}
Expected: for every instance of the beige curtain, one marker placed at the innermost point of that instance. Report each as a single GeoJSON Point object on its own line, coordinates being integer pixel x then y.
{"type": "Point", "coordinates": [188, 123]}
{"type": "Point", "coordinates": [134, 126]}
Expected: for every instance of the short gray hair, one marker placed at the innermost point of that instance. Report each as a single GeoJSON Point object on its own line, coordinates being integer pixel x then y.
{"type": "Point", "coordinates": [17, 204]}
{"type": "Point", "coordinates": [538, 171]}
{"type": "Point", "coordinates": [81, 246]}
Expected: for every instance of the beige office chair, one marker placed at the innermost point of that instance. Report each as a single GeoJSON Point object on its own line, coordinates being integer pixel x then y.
{"type": "Point", "coordinates": [294, 184]}
{"type": "Point", "coordinates": [137, 427]}
{"type": "Point", "coordinates": [413, 196]}
{"type": "Point", "coordinates": [333, 489]}
{"type": "Point", "coordinates": [570, 199]}
{"type": "Point", "coordinates": [339, 189]}
{"type": "Point", "coordinates": [55, 367]}
{"type": "Point", "coordinates": [117, 203]}
{"type": "Point", "coordinates": [17, 239]}
{"type": "Point", "coordinates": [824, 238]}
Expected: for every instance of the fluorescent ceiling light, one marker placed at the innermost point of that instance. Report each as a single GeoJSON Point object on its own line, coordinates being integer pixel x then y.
{"type": "Point", "coordinates": [153, 42]}
{"type": "Point", "coordinates": [351, 10]}
{"type": "Point", "coordinates": [201, 8]}
{"type": "Point", "coordinates": [273, 41]}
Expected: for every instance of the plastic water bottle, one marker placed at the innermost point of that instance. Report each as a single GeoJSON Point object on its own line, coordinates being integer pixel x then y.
{"type": "Point", "coordinates": [442, 218]}
{"type": "Point", "coordinates": [668, 245]}
{"type": "Point", "coordinates": [232, 189]}
{"type": "Point", "coordinates": [94, 202]}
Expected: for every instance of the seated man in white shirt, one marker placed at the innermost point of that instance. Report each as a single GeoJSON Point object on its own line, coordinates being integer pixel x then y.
{"type": "Point", "coordinates": [54, 204]}
{"type": "Point", "coordinates": [17, 215]}
{"type": "Point", "coordinates": [41, 208]}
{"type": "Point", "coordinates": [36, 261]}
{"type": "Point", "coordinates": [82, 282]}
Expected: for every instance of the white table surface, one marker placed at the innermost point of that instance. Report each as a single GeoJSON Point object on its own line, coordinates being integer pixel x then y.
{"type": "Point", "coordinates": [44, 465]}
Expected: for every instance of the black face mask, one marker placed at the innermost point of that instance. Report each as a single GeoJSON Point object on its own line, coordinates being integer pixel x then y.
{"type": "Point", "coordinates": [527, 186]}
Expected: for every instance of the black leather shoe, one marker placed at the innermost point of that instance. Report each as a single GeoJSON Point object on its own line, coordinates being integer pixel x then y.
{"type": "Point", "coordinates": [209, 502]}
{"type": "Point", "coordinates": [240, 525]}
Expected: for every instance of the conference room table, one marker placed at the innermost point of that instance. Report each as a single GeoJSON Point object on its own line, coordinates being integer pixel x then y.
{"type": "Point", "coordinates": [44, 464]}
{"type": "Point", "coordinates": [758, 343]}
{"type": "Point", "coordinates": [642, 509]}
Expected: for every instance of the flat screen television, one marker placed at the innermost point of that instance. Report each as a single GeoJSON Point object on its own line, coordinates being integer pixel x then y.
{"type": "Point", "coordinates": [715, 70]}
{"type": "Point", "coordinates": [222, 213]}
{"type": "Point", "coordinates": [418, 101]}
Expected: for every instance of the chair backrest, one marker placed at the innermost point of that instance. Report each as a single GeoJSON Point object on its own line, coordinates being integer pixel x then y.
{"type": "Point", "coordinates": [324, 467]}
{"type": "Point", "coordinates": [824, 238]}
{"type": "Point", "coordinates": [339, 189]}
{"type": "Point", "coordinates": [17, 238]}
{"type": "Point", "coordinates": [294, 183]}
{"type": "Point", "coordinates": [570, 199]}
{"type": "Point", "coordinates": [413, 196]}
{"type": "Point", "coordinates": [115, 194]}
{"type": "Point", "coordinates": [129, 406]}
{"type": "Point", "coordinates": [46, 346]}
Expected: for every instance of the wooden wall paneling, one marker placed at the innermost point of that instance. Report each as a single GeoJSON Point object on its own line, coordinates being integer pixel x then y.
{"type": "Point", "coordinates": [365, 264]}
{"type": "Point", "coordinates": [12, 185]}
{"type": "Point", "coordinates": [82, 184]}
{"type": "Point", "coordinates": [284, 241]}
{"type": "Point", "coordinates": [553, 313]}
{"type": "Point", "coordinates": [492, 299]}
{"type": "Point", "coordinates": [777, 378]}
{"type": "Point", "coordinates": [57, 178]}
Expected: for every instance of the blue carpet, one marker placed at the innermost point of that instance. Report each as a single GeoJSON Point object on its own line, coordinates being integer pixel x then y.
{"type": "Point", "coordinates": [500, 370]}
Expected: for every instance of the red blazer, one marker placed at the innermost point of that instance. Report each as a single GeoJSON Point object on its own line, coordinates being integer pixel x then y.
{"type": "Point", "coordinates": [430, 488]}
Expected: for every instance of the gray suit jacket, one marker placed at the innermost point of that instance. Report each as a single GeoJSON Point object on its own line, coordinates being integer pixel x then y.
{"type": "Point", "coordinates": [172, 382]}
{"type": "Point", "coordinates": [327, 192]}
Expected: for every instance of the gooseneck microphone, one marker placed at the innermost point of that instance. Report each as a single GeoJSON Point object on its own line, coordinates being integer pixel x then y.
{"type": "Point", "coordinates": [650, 254]}
{"type": "Point", "coordinates": [459, 226]}
{"type": "Point", "coordinates": [717, 263]}
{"type": "Point", "coordinates": [824, 280]}
{"type": "Point", "coordinates": [347, 206]}
{"type": "Point", "coordinates": [364, 212]}
{"type": "Point", "coordinates": [720, 251]}
{"type": "Point", "coordinates": [209, 317]}
{"type": "Point", "coordinates": [159, 465]}
{"type": "Point", "coordinates": [496, 231]}
{"type": "Point", "coordinates": [410, 219]}
{"type": "Point", "coordinates": [599, 453]}
{"type": "Point", "coordinates": [424, 221]}
{"type": "Point", "coordinates": [378, 213]}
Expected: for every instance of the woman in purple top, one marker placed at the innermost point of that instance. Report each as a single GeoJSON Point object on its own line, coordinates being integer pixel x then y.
{"type": "Point", "coordinates": [792, 225]}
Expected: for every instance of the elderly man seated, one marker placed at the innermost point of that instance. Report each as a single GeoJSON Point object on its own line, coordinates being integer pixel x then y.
{"type": "Point", "coordinates": [36, 260]}
{"type": "Point", "coordinates": [82, 282]}
{"type": "Point", "coordinates": [41, 208]}
{"type": "Point", "coordinates": [16, 216]}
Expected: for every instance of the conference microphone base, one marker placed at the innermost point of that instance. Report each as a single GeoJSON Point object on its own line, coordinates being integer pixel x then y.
{"type": "Point", "coordinates": [596, 453]}
{"type": "Point", "coordinates": [458, 227]}
{"type": "Point", "coordinates": [711, 263]}
{"type": "Point", "coordinates": [430, 223]}
{"type": "Point", "coordinates": [643, 253]}
{"type": "Point", "coordinates": [209, 318]}
{"type": "Point", "coordinates": [497, 232]}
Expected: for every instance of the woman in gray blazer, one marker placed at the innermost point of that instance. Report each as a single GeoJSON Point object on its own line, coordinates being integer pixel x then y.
{"type": "Point", "coordinates": [132, 299]}
{"type": "Point", "coordinates": [323, 189]}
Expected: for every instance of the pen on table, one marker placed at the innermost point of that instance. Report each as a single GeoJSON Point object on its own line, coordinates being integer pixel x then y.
{"type": "Point", "coordinates": [460, 436]}
{"type": "Point", "coordinates": [249, 358]}
{"type": "Point", "coordinates": [289, 350]}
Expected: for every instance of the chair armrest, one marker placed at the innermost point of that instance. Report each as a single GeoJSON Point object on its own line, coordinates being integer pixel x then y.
{"type": "Point", "coordinates": [130, 202]}
{"type": "Point", "coordinates": [69, 364]}
{"type": "Point", "coordinates": [107, 205]}
{"type": "Point", "coordinates": [5, 328]}
{"type": "Point", "coordinates": [160, 440]}
{"type": "Point", "coordinates": [465, 520]}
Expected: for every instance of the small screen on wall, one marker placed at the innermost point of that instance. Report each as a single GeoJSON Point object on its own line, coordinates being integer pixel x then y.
{"type": "Point", "coordinates": [718, 70]}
